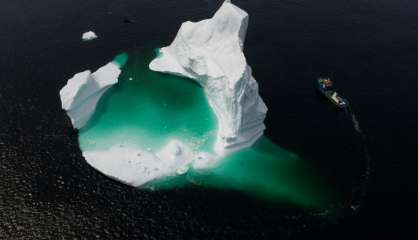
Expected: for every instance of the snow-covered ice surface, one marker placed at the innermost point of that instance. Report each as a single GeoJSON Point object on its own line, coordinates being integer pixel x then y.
{"type": "Point", "coordinates": [80, 95]}
{"type": "Point", "coordinates": [89, 36]}
{"type": "Point", "coordinates": [211, 52]}
{"type": "Point", "coordinates": [135, 166]}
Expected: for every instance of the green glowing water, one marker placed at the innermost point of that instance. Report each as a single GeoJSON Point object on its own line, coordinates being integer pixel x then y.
{"type": "Point", "coordinates": [147, 109]}
{"type": "Point", "coordinates": [265, 170]}
{"type": "Point", "coordinates": [121, 59]}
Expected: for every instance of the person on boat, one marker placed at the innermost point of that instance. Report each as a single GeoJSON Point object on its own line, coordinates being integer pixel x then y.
{"type": "Point", "coordinates": [327, 83]}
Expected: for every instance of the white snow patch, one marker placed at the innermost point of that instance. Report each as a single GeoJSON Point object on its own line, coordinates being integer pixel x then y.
{"type": "Point", "coordinates": [134, 166]}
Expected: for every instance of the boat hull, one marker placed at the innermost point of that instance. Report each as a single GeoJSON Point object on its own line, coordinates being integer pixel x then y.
{"type": "Point", "coordinates": [331, 95]}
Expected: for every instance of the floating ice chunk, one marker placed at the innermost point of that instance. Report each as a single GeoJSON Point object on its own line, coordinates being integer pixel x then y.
{"type": "Point", "coordinates": [211, 52]}
{"type": "Point", "coordinates": [89, 36]}
{"type": "Point", "coordinates": [80, 95]}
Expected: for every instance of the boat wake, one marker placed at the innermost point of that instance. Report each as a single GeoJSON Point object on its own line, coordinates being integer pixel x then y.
{"type": "Point", "coordinates": [356, 123]}
{"type": "Point", "coordinates": [360, 192]}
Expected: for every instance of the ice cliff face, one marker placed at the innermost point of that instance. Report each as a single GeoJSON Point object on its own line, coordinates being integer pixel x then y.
{"type": "Point", "coordinates": [80, 95]}
{"type": "Point", "coordinates": [211, 52]}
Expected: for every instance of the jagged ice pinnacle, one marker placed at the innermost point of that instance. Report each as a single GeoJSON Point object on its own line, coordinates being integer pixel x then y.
{"type": "Point", "coordinates": [211, 52]}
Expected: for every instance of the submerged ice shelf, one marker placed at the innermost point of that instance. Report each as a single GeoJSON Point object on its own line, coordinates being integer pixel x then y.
{"type": "Point", "coordinates": [144, 128]}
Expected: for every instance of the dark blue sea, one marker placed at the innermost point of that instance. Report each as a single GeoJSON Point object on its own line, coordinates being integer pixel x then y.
{"type": "Point", "coordinates": [368, 47]}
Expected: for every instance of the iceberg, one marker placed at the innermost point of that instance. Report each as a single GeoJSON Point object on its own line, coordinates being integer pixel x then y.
{"type": "Point", "coordinates": [88, 36]}
{"type": "Point", "coordinates": [82, 92]}
{"type": "Point", "coordinates": [211, 53]}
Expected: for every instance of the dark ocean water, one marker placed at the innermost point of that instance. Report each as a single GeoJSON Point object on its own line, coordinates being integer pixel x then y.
{"type": "Point", "coordinates": [370, 48]}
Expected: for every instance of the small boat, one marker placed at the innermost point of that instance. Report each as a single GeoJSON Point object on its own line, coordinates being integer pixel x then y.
{"type": "Point", "coordinates": [325, 86]}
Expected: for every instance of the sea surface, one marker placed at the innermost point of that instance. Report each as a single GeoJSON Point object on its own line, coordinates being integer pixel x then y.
{"type": "Point", "coordinates": [366, 157]}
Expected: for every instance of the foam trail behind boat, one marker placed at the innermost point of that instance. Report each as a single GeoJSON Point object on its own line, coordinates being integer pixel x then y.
{"type": "Point", "coordinates": [362, 192]}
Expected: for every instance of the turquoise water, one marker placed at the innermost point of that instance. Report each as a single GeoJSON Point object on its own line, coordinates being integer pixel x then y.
{"type": "Point", "coordinates": [264, 171]}
{"type": "Point", "coordinates": [147, 109]}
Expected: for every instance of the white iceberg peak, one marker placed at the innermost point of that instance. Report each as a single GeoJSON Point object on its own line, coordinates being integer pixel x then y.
{"type": "Point", "coordinates": [210, 52]}
{"type": "Point", "coordinates": [88, 36]}
{"type": "Point", "coordinates": [80, 95]}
